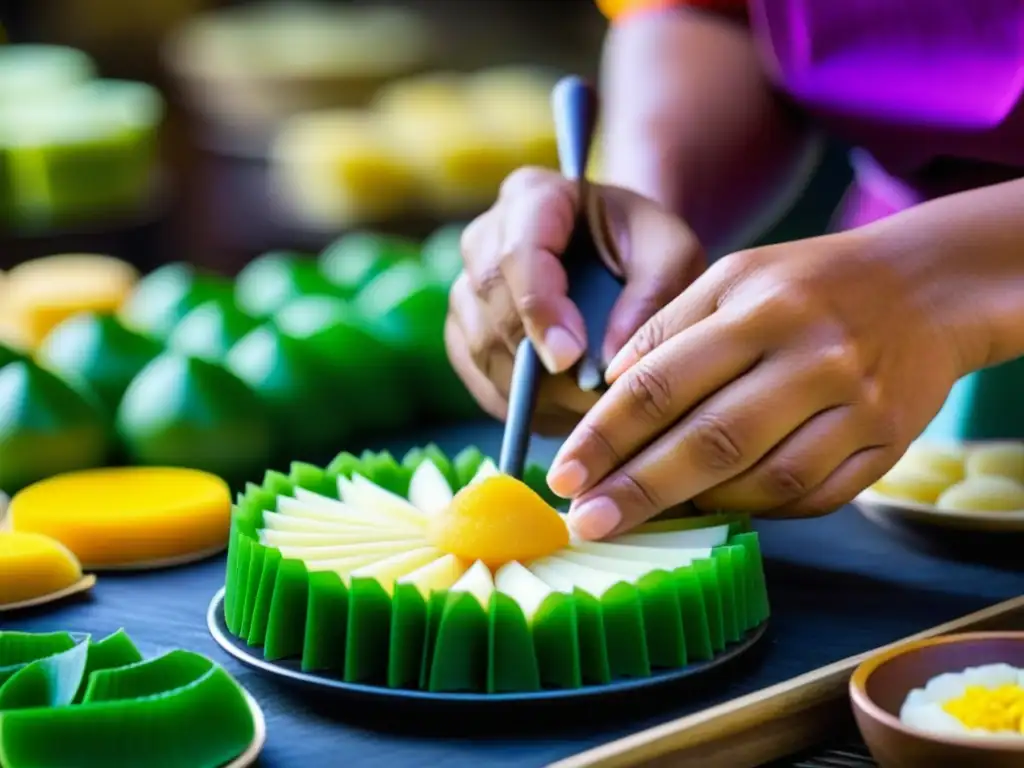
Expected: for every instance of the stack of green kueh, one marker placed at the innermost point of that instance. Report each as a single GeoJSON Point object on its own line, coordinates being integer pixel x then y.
{"type": "Point", "coordinates": [72, 146]}
{"type": "Point", "coordinates": [325, 569]}
{"type": "Point", "coordinates": [299, 355]}
{"type": "Point", "coordinates": [97, 704]}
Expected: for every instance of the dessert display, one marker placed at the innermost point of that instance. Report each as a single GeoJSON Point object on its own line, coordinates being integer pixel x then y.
{"type": "Point", "coordinates": [437, 144]}
{"type": "Point", "coordinates": [247, 68]}
{"type": "Point", "coordinates": [442, 575]}
{"type": "Point", "coordinates": [128, 517]}
{"type": "Point", "coordinates": [36, 569]}
{"type": "Point", "coordinates": [72, 146]}
{"type": "Point", "coordinates": [74, 700]}
{"type": "Point", "coordinates": [188, 369]}
{"type": "Point", "coordinates": [967, 477]}
{"type": "Point", "coordinates": [985, 702]}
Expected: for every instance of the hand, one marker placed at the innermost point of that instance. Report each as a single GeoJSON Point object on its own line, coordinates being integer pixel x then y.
{"type": "Point", "coordinates": [514, 284]}
{"type": "Point", "coordinates": [783, 381]}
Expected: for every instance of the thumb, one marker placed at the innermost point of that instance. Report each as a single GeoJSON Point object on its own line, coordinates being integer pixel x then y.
{"type": "Point", "coordinates": [658, 255]}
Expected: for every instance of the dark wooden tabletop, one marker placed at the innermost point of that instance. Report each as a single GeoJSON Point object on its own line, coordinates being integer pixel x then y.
{"type": "Point", "coordinates": [839, 586]}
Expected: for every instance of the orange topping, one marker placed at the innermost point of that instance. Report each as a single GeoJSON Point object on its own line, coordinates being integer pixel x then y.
{"type": "Point", "coordinates": [499, 520]}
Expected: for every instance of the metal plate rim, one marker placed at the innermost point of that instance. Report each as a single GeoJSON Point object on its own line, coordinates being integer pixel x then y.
{"type": "Point", "coordinates": [233, 647]}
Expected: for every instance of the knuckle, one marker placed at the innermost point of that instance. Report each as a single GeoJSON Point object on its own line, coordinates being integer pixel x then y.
{"type": "Point", "coordinates": [597, 440]}
{"type": "Point", "coordinates": [638, 495]}
{"type": "Point", "coordinates": [648, 337]}
{"type": "Point", "coordinates": [649, 390]}
{"type": "Point", "coordinates": [526, 178]}
{"type": "Point", "coordinates": [715, 443]}
{"type": "Point", "coordinates": [782, 481]}
{"type": "Point", "coordinates": [510, 328]}
{"type": "Point", "coordinates": [487, 282]}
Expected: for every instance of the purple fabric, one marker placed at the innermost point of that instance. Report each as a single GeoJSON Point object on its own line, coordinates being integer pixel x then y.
{"type": "Point", "coordinates": [930, 90]}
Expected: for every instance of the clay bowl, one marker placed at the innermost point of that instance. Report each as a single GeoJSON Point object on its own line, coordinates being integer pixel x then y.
{"type": "Point", "coordinates": [881, 684]}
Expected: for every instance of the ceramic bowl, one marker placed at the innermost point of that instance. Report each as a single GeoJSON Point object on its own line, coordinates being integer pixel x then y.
{"type": "Point", "coordinates": [880, 685]}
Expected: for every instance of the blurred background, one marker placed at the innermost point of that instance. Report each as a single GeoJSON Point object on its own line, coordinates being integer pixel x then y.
{"type": "Point", "coordinates": [272, 194]}
{"type": "Point", "coordinates": [268, 124]}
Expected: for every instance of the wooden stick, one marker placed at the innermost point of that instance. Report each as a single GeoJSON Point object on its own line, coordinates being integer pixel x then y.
{"type": "Point", "coordinates": [774, 722]}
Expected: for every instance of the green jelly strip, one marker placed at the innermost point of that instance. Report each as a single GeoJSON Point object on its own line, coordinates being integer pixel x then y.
{"type": "Point", "coordinates": [408, 636]}
{"type": "Point", "coordinates": [558, 642]}
{"type": "Point", "coordinates": [663, 621]}
{"type": "Point", "coordinates": [368, 632]}
{"type": "Point", "coordinates": [623, 621]}
{"type": "Point", "coordinates": [115, 650]}
{"type": "Point", "coordinates": [323, 648]}
{"type": "Point", "coordinates": [694, 613]}
{"type": "Point", "coordinates": [448, 642]}
{"type": "Point", "coordinates": [286, 623]}
{"type": "Point", "coordinates": [154, 713]}
{"type": "Point", "coordinates": [49, 682]}
{"type": "Point", "coordinates": [20, 648]}
{"type": "Point", "coordinates": [511, 660]}
{"type": "Point", "coordinates": [595, 669]}
{"type": "Point", "coordinates": [460, 651]}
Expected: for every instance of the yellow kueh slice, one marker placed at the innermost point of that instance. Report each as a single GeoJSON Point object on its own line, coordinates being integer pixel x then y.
{"type": "Point", "coordinates": [34, 568]}
{"type": "Point", "coordinates": [129, 517]}
{"type": "Point", "coordinates": [43, 292]}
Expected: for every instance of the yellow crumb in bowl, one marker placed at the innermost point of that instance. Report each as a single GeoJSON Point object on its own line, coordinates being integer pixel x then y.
{"type": "Point", "coordinates": [983, 701]}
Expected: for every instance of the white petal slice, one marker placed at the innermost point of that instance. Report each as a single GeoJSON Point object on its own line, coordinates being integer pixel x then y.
{"type": "Point", "coordinates": [662, 558]}
{"type": "Point", "coordinates": [633, 569]}
{"type": "Point", "coordinates": [368, 497]}
{"type": "Point", "coordinates": [383, 549]}
{"type": "Point", "coordinates": [487, 469]}
{"type": "Point", "coordinates": [555, 572]}
{"type": "Point", "coordinates": [697, 538]}
{"type": "Point", "coordinates": [525, 588]}
{"type": "Point", "coordinates": [390, 569]}
{"type": "Point", "coordinates": [343, 566]}
{"type": "Point", "coordinates": [950, 685]}
{"type": "Point", "coordinates": [274, 538]}
{"type": "Point", "coordinates": [932, 718]}
{"type": "Point", "coordinates": [429, 490]}
{"type": "Point", "coordinates": [477, 582]}
{"type": "Point", "coordinates": [991, 675]}
{"type": "Point", "coordinates": [438, 575]}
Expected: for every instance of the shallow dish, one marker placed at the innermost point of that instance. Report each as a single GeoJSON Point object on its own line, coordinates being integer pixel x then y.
{"type": "Point", "coordinates": [886, 509]}
{"type": "Point", "coordinates": [291, 672]}
{"type": "Point", "coordinates": [880, 685]}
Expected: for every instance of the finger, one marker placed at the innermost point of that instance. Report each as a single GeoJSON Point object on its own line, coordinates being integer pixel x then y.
{"type": "Point", "coordinates": [799, 464]}
{"type": "Point", "coordinates": [479, 386]}
{"type": "Point", "coordinates": [482, 255]}
{"type": "Point", "coordinates": [537, 223]}
{"type": "Point", "coordinates": [727, 434]}
{"type": "Point", "coordinates": [672, 258]}
{"type": "Point", "coordinates": [487, 351]}
{"type": "Point", "coordinates": [650, 397]}
{"type": "Point", "coordinates": [691, 306]}
{"type": "Point", "coordinates": [842, 486]}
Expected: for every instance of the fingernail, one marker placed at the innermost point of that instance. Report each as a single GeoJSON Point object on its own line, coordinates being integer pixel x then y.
{"type": "Point", "coordinates": [560, 349]}
{"type": "Point", "coordinates": [619, 363]}
{"type": "Point", "coordinates": [595, 518]}
{"type": "Point", "coordinates": [568, 478]}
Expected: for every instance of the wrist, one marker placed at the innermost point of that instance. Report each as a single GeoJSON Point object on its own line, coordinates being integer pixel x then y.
{"type": "Point", "coordinates": [960, 261]}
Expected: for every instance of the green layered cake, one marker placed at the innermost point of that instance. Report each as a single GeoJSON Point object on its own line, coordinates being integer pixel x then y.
{"type": "Point", "coordinates": [66, 700]}
{"type": "Point", "coordinates": [441, 575]}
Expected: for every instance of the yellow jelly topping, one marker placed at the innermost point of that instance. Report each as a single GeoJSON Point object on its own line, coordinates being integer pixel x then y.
{"type": "Point", "coordinates": [128, 516]}
{"type": "Point", "coordinates": [34, 566]}
{"type": "Point", "coordinates": [990, 709]}
{"type": "Point", "coordinates": [498, 520]}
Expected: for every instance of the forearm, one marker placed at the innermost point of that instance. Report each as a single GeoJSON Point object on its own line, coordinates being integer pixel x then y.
{"type": "Point", "coordinates": [965, 250]}
{"type": "Point", "coordinates": [689, 119]}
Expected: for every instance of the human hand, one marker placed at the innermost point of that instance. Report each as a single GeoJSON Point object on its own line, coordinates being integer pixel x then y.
{"type": "Point", "coordinates": [782, 382]}
{"type": "Point", "coordinates": [514, 284]}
